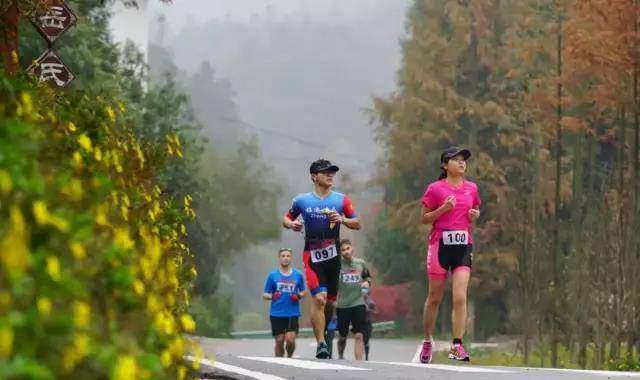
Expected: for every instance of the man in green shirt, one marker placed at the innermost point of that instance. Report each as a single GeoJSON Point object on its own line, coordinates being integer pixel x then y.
{"type": "Point", "coordinates": [354, 282]}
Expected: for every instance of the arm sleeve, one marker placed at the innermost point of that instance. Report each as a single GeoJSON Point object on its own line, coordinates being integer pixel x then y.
{"type": "Point", "coordinates": [476, 198]}
{"type": "Point", "coordinates": [365, 273]}
{"type": "Point", "coordinates": [430, 199]}
{"type": "Point", "coordinates": [347, 208]}
{"type": "Point", "coordinates": [269, 285]}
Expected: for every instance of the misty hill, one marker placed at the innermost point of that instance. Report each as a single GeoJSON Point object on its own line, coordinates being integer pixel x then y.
{"type": "Point", "coordinates": [302, 82]}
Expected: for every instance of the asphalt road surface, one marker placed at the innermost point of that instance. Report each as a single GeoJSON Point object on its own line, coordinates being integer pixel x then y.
{"type": "Point", "coordinates": [390, 359]}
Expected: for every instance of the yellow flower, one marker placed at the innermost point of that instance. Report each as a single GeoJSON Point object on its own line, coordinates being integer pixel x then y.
{"type": "Point", "coordinates": [59, 223]}
{"type": "Point", "coordinates": [6, 341]}
{"type": "Point", "coordinates": [43, 217]}
{"type": "Point", "coordinates": [124, 211]}
{"type": "Point", "coordinates": [14, 246]}
{"type": "Point", "coordinates": [76, 189]}
{"type": "Point", "coordinates": [111, 113]}
{"type": "Point", "coordinates": [77, 160]}
{"type": "Point", "coordinates": [126, 368]}
{"type": "Point", "coordinates": [138, 287]}
{"type": "Point", "coordinates": [166, 359]}
{"type": "Point", "coordinates": [76, 352]}
{"type": "Point", "coordinates": [188, 323]}
{"type": "Point", "coordinates": [171, 300]}
{"type": "Point", "coordinates": [177, 346]}
{"type": "Point", "coordinates": [101, 217]}
{"type": "Point", "coordinates": [6, 185]}
{"type": "Point", "coordinates": [71, 127]}
{"type": "Point", "coordinates": [52, 117]}
{"type": "Point", "coordinates": [81, 314]}
{"type": "Point", "coordinates": [78, 250]}
{"type": "Point", "coordinates": [140, 156]}
{"type": "Point", "coordinates": [53, 268]}
{"type": "Point", "coordinates": [27, 104]}
{"type": "Point", "coordinates": [153, 304]}
{"type": "Point", "coordinates": [122, 239]}
{"type": "Point", "coordinates": [198, 354]}
{"type": "Point", "coordinates": [40, 212]}
{"type": "Point", "coordinates": [85, 142]}
{"type": "Point", "coordinates": [97, 154]}
{"type": "Point", "coordinates": [81, 344]}
{"type": "Point", "coordinates": [164, 322]}
{"type": "Point", "coordinates": [182, 372]}
{"type": "Point", "coordinates": [73, 190]}
{"type": "Point", "coordinates": [44, 306]}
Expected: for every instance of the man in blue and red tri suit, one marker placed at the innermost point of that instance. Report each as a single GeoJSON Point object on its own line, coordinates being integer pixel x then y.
{"type": "Point", "coordinates": [323, 211]}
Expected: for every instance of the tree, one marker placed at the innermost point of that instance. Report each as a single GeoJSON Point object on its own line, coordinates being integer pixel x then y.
{"type": "Point", "coordinates": [546, 93]}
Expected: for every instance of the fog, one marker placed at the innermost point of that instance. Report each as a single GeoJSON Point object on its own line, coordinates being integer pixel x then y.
{"type": "Point", "coordinates": [303, 73]}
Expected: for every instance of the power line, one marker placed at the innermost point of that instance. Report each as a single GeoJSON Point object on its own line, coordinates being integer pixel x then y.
{"type": "Point", "coordinates": [279, 134]}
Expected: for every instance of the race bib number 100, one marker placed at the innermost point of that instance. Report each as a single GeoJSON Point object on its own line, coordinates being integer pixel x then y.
{"type": "Point", "coordinates": [455, 237]}
{"type": "Point", "coordinates": [324, 254]}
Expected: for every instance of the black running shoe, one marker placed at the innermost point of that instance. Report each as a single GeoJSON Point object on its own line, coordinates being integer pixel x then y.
{"type": "Point", "coordinates": [322, 352]}
{"type": "Point", "coordinates": [328, 338]}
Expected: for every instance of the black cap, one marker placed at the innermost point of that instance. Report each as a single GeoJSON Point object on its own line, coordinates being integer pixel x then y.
{"type": "Point", "coordinates": [322, 165]}
{"type": "Point", "coordinates": [453, 151]}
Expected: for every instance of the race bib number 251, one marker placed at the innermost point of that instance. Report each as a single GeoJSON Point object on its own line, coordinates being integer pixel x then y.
{"type": "Point", "coordinates": [455, 237]}
{"type": "Point", "coordinates": [324, 254]}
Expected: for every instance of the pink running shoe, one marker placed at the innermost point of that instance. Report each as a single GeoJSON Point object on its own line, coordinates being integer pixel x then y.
{"type": "Point", "coordinates": [425, 354]}
{"type": "Point", "coordinates": [458, 353]}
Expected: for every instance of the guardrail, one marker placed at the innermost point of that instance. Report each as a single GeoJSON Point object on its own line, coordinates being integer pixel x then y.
{"type": "Point", "coordinates": [378, 326]}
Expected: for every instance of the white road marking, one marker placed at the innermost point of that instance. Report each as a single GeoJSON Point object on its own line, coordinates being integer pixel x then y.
{"type": "Point", "coordinates": [444, 367]}
{"type": "Point", "coordinates": [465, 368]}
{"type": "Point", "coordinates": [234, 369]}
{"type": "Point", "coordinates": [416, 357]}
{"type": "Point", "coordinates": [584, 371]}
{"type": "Point", "coordinates": [306, 364]}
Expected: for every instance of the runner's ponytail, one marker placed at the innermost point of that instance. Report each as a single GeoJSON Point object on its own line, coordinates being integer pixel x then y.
{"type": "Point", "coordinates": [443, 175]}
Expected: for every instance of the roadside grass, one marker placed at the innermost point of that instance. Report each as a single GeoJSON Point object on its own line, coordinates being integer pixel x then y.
{"type": "Point", "coordinates": [540, 357]}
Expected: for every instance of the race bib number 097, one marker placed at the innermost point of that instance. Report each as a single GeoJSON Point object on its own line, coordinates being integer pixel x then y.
{"type": "Point", "coordinates": [324, 254]}
{"type": "Point", "coordinates": [455, 237]}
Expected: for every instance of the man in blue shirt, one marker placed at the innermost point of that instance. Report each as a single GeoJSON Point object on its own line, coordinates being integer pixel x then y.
{"type": "Point", "coordinates": [322, 211]}
{"type": "Point", "coordinates": [284, 288]}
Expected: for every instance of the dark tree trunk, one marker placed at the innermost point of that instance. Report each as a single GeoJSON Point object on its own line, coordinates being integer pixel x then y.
{"type": "Point", "coordinates": [9, 39]}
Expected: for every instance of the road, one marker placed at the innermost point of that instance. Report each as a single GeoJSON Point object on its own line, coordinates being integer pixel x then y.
{"type": "Point", "coordinates": [392, 359]}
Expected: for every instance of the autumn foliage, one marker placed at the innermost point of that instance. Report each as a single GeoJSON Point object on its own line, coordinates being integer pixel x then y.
{"type": "Point", "coordinates": [545, 94]}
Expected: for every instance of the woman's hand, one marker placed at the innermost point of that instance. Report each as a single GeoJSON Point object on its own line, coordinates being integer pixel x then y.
{"type": "Point", "coordinates": [449, 203]}
{"type": "Point", "coordinates": [474, 214]}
